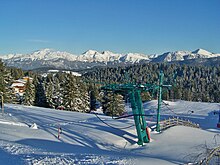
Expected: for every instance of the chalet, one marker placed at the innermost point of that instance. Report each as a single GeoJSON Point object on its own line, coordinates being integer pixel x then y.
{"type": "Point", "coordinates": [18, 86]}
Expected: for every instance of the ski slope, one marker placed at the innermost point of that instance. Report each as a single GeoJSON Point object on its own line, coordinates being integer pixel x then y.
{"type": "Point", "coordinates": [87, 140]}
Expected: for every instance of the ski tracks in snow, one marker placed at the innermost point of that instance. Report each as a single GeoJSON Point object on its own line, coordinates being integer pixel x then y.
{"type": "Point", "coordinates": [34, 156]}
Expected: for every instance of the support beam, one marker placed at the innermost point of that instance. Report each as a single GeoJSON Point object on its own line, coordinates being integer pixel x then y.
{"type": "Point", "coordinates": [140, 123]}
{"type": "Point", "coordinates": [159, 100]}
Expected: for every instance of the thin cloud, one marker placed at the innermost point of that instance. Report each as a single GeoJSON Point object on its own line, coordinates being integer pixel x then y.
{"type": "Point", "coordinates": [38, 41]}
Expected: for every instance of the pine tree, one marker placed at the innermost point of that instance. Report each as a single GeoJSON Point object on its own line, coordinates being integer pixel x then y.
{"type": "Point", "coordinates": [5, 84]}
{"type": "Point", "coordinates": [57, 93]}
{"type": "Point", "coordinates": [29, 95]}
{"type": "Point", "coordinates": [40, 96]}
{"type": "Point", "coordinates": [145, 96]}
{"type": "Point", "coordinates": [49, 94]}
{"type": "Point", "coordinates": [94, 96]}
{"type": "Point", "coordinates": [84, 96]}
{"type": "Point", "coordinates": [75, 96]}
{"type": "Point", "coordinates": [2, 73]}
{"type": "Point", "coordinates": [113, 104]}
{"type": "Point", "coordinates": [16, 73]}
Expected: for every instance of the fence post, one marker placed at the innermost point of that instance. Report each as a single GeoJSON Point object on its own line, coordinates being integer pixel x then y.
{"type": "Point", "coordinates": [59, 131]}
{"type": "Point", "coordinates": [2, 102]}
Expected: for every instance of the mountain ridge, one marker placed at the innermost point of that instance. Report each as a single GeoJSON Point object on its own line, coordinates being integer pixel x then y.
{"type": "Point", "coordinates": [90, 58]}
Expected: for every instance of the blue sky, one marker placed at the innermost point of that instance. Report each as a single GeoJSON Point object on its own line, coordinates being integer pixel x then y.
{"type": "Point", "coordinates": [144, 26]}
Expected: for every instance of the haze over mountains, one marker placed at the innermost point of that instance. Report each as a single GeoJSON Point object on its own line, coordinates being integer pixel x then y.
{"type": "Point", "coordinates": [63, 60]}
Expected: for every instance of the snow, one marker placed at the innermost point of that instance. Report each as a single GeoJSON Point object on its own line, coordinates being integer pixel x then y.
{"type": "Point", "coordinates": [87, 140]}
{"type": "Point", "coordinates": [21, 84]}
{"type": "Point", "coordinates": [34, 126]}
{"type": "Point", "coordinates": [45, 54]}
{"type": "Point", "coordinates": [63, 71]}
{"type": "Point", "coordinates": [202, 51]}
{"type": "Point", "coordinates": [95, 56]}
{"type": "Point", "coordinates": [53, 70]}
{"type": "Point", "coordinates": [88, 56]}
{"type": "Point", "coordinates": [59, 59]}
{"type": "Point", "coordinates": [73, 73]}
{"type": "Point", "coordinates": [184, 55]}
{"type": "Point", "coordinates": [134, 57]}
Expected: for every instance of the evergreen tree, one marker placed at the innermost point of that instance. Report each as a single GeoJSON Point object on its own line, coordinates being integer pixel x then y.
{"type": "Point", "coordinates": [94, 96]}
{"type": "Point", "coordinates": [145, 96]}
{"type": "Point", "coordinates": [40, 96]}
{"type": "Point", "coordinates": [16, 73]}
{"type": "Point", "coordinates": [2, 73]}
{"type": "Point", "coordinates": [113, 104]}
{"type": "Point", "coordinates": [5, 84]}
{"type": "Point", "coordinates": [75, 96]}
{"type": "Point", "coordinates": [29, 95]}
{"type": "Point", "coordinates": [10, 96]}
{"type": "Point", "coordinates": [193, 83]}
{"type": "Point", "coordinates": [49, 95]}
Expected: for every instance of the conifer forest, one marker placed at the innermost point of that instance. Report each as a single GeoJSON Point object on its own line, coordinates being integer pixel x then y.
{"type": "Point", "coordinates": [68, 92]}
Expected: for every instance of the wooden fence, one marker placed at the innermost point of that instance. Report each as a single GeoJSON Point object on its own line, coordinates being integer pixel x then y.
{"type": "Point", "coordinates": [213, 156]}
{"type": "Point", "coordinates": [176, 121]}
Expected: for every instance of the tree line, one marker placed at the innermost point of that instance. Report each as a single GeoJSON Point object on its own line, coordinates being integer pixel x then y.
{"type": "Point", "coordinates": [82, 94]}
{"type": "Point", "coordinates": [191, 83]}
{"type": "Point", "coordinates": [58, 91]}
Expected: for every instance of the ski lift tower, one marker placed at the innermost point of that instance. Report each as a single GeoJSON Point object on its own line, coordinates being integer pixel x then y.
{"type": "Point", "coordinates": [134, 93]}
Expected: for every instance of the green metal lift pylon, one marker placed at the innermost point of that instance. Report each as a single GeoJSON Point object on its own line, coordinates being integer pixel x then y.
{"type": "Point", "coordinates": [134, 92]}
{"type": "Point", "coordinates": [159, 99]}
{"type": "Point", "coordinates": [140, 122]}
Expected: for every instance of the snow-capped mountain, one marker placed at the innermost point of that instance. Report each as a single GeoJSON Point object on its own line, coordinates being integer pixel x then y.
{"type": "Point", "coordinates": [48, 58]}
{"type": "Point", "coordinates": [184, 55]}
{"type": "Point", "coordinates": [63, 60]}
{"type": "Point", "coordinates": [40, 58]}
{"type": "Point", "coordinates": [95, 56]}
{"type": "Point", "coordinates": [45, 54]}
{"type": "Point", "coordinates": [135, 57]}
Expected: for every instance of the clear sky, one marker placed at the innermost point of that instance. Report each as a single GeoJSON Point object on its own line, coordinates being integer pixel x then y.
{"type": "Point", "coordinates": [144, 26]}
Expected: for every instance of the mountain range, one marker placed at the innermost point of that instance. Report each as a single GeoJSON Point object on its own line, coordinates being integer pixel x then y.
{"type": "Point", "coordinates": [48, 58]}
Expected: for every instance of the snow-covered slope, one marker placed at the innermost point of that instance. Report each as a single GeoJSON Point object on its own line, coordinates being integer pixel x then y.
{"type": "Point", "coordinates": [87, 140]}
{"type": "Point", "coordinates": [63, 60]}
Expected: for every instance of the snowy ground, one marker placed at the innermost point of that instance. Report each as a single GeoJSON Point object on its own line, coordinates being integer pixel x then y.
{"type": "Point", "coordinates": [87, 140]}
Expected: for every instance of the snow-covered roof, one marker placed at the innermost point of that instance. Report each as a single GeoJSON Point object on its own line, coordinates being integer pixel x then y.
{"type": "Point", "coordinates": [17, 84]}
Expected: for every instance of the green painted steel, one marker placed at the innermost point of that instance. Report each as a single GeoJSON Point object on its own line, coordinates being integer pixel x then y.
{"type": "Point", "coordinates": [159, 100]}
{"type": "Point", "coordinates": [140, 122]}
{"type": "Point", "coordinates": [141, 118]}
{"type": "Point", "coordinates": [134, 92]}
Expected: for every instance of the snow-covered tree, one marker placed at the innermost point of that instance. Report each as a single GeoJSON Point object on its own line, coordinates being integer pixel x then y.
{"type": "Point", "coordinates": [113, 104]}
{"type": "Point", "coordinates": [94, 96]}
{"type": "Point", "coordinates": [49, 94]}
{"type": "Point", "coordinates": [29, 94]}
{"type": "Point", "coordinates": [5, 84]}
{"type": "Point", "coordinates": [40, 96]}
{"type": "Point", "coordinates": [75, 96]}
